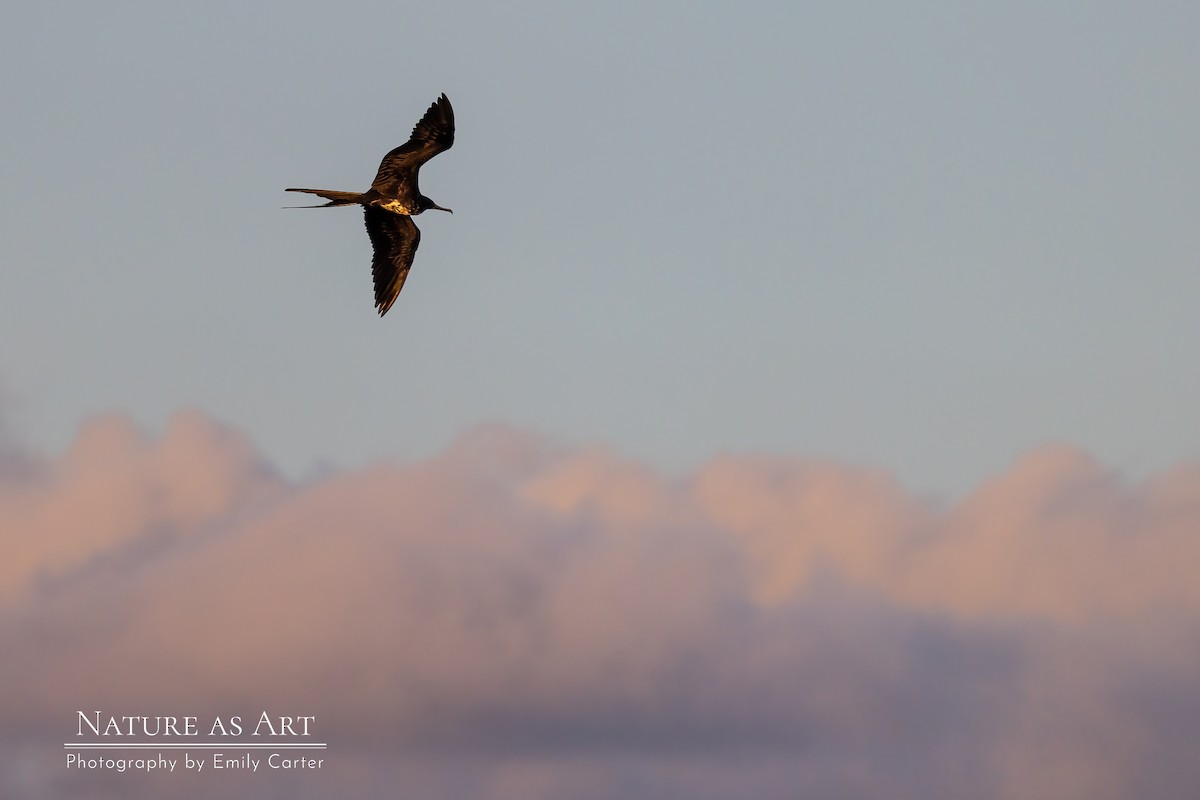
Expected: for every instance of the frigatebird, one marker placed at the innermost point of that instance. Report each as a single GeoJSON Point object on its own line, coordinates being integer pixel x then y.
{"type": "Point", "coordinates": [394, 199]}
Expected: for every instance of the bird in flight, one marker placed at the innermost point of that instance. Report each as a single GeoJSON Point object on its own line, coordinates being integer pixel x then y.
{"type": "Point", "coordinates": [394, 199]}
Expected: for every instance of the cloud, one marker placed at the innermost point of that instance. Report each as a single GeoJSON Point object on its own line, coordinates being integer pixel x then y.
{"type": "Point", "coordinates": [115, 488]}
{"type": "Point", "coordinates": [514, 618]}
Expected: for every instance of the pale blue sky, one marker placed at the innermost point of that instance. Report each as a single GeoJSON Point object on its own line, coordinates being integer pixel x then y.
{"type": "Point", "coordinates": [922, 236]}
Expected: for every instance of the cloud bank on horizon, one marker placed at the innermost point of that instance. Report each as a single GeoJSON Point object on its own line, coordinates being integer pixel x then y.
{"type": "Point", "coordinates": [518, 619]}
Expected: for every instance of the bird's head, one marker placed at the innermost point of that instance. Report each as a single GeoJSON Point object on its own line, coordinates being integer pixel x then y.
{"type": "Point", "coordinates": [427, 204]}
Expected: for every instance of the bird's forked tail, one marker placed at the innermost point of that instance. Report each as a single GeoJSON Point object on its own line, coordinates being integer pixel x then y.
{"type": "Point", "coordinates": [334, 198]}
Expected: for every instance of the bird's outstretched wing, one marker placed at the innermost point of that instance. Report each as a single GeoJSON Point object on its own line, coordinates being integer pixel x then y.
{"type": "Point", "coordinates": [432, 135]}
{"type": "Point", "coordinates": [394, 239]}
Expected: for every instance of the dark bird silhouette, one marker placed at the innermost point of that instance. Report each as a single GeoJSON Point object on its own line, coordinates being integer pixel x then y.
{"type": "Point", "coordinates": [395, 198]}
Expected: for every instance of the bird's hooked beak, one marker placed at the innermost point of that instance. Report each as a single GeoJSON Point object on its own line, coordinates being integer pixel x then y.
{"type": "Point", "coordinates": [439, 208]}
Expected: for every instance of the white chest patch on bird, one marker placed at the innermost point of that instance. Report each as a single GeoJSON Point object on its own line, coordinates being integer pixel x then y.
{"type": "Point", "coordinates": [396, 207]}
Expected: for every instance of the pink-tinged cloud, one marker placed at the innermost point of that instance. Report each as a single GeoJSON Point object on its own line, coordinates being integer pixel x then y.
{"type": "Point", "coordinates": [114, 489]}
{"type": "Point", "coordinates": [516, 619]}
